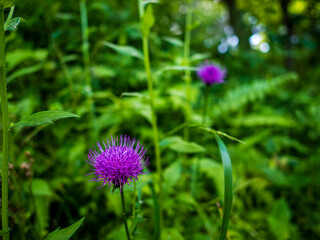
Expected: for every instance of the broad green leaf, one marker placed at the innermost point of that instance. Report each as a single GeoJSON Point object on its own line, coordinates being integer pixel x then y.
{"type": "Point", "coordinates": [172, 174]}
{"type": "Point", "coordinates": [6, 3]}
{"type": "Point", "coordinates": [214, 170]}
{"type": "Point", "coordinates": [171, 233]}
{"type": "Point", "coordinates": [186, 147]}
{"type": "Point", "coordinates": [199, 56]}
{"type": "Point", "coordinates": [102, 72]}
{"type": "Point", "coordinates": [41, 193]}
{"type": "Point", "coordinates": [147, 21]}
{"type": "Point", "coordinates": [174, 41]}
{"type": "Point", "coordinates": [279, 220]}
{"type": "Point", "coordinates": [40, 187]}
{"type": "Point", "coordinates": [24, 71]}
{"type": "Point", "coordinates": [65, 233]}
{"type": "Point", "coordinates": [228, 191]}
{"type": "Point", "coordinates": [125, 50]}
{"type": "Point", "coordinates": [44, 117]}
{"type": "Point", "coordinates": [21, 56]}
{"type": "Point", "coordinates": [13, 24]}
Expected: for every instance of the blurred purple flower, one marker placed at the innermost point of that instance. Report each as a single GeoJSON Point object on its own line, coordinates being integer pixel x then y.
{"type": "Point", "coordinates": [210, 73]}
{"type": "Point", "coordinates": [118, 162]}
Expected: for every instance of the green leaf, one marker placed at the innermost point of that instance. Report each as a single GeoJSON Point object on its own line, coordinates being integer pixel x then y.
{"type": "Point", "coordinates": [182, 146]}
{"type": "Point", "coordinates": [199, 57]}
{"type": "Point", "coordinates": [41, 193]}
{"type": "Point", "coordinates": [174, 41]}
{"type": "Point", "coordinates": [13, 24]}
{"type": "Point", "coordinates": [228, 192]}
{"type": "Point", "coordinates": [279, 220]}
{"type": "Point", "coordinates": [44, 117]}
{"type": "Point", "coordinates": [6, 3]}
{"type": "Point", "coordinates": [175, 68]}
{"type": "Point", "coordinates": [24, 71]}
{"type": "Point", "coordinates": [66, 233]}
{"type": "Point", "coordinates": [147, 21]}
{"type": "Point", "coordinates": [146, 2]}
{"type": "Point", "coordinates": [40, 187]}
{"type": "Point", "coordinates": [172, 174]}
{"type": "Point", "coordinates": [125, 50]}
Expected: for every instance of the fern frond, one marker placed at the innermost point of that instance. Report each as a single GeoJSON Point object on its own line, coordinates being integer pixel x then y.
{"type": "Point", "coordinates": [257, 90]}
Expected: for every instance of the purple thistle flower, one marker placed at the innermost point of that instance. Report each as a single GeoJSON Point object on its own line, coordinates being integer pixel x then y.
{"type": "Point", "coordinates": [118, 162]}
{"type": "Point", "coordinates": [211, 73]}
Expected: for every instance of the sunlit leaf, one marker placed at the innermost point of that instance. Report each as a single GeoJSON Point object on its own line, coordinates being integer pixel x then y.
{"type": "Point", "coordinates": [125, 50]}
{"type": "Point", "coordinates": [65, 233]}
{"type": "Point", "coordinates": [44, 117]}
{"type": "Point", "coordinates": [13, 24]}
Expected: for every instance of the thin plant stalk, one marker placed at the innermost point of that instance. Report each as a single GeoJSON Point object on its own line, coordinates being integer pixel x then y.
{"type": "Point", "coordinates": [205, 103]}
{"type": "Point", "coordinates": [145, 44]}
{"type": "Point", "coordinates": [187, 74]}
{"type": "Point", "coordinates": [134, 207]}
{"type": "Point", "coordinates": [5, 128]}
{"type": "Point", "coordinates": [124, 215]}
{"type": "Point", "coordinates": [196, 163]}
{"type": "Point", "coordinates": [86, 61]}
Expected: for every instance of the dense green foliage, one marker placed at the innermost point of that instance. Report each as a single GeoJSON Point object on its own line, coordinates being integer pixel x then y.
{"type": "Point", "coordinates": [270, 101]}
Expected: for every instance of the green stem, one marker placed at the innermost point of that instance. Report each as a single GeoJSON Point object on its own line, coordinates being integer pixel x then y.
{"type": "Point", "coordinates": [205, 103]}
{"type": "Point", "coordinates": [145, 47]}
{"type": "Point", "coordinates": [5, 127]}
{"type": "Point", "coordinates": [134, 207]}
{"type": "Point", "coordinates": [153, 120]}
{"type": "Point", "coordinates": [9, 18]}
{"type": "Point", "coordinates": [187, 77]}
{"type": "Point", "coordinates": [156, 211]}
{"type": "Point", "coordinates": [86, 61]}
{"type": "Point", "coordinates": [124, 216]}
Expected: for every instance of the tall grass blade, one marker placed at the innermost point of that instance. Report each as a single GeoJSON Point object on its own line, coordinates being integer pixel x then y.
{"type": "Point", "coordinates": [228, 192]}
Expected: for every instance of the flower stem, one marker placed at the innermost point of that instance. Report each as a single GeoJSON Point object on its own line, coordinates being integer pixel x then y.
{"type": "Point", "coordinates": [5, 127]}
{"type": "Point", "coordinates": [187, 74]}
{"type": "Point", "coordinates": [205, 103]}
{"type": "Point", "coordinates": [124, 216]}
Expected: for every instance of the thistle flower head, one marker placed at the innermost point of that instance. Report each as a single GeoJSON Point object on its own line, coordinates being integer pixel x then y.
{"type": "Point", "coordinates": [210, 73]}
{"type": "Point", "coordinates": [118, 162]}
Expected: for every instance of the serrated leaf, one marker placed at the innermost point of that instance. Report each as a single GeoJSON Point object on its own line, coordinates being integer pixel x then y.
{"type": "Point", "coordinates": [147, 21]}
{"type": "Point", "coordinates": [65, 233]}
{"type": "Point", "coordinates": [13, 24]}
{"type": "Point", "coordinates": [6, 3]}
{"type": "Point", "coordinates": [44, 117]}
{"type": "Point", "coordinates": [125, 50]}
{"type": "Point", "coordinates": [228, 191]}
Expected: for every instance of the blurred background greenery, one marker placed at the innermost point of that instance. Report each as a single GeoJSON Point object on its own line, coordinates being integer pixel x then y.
{"type": "Point", "coordinates": [270, 100]}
